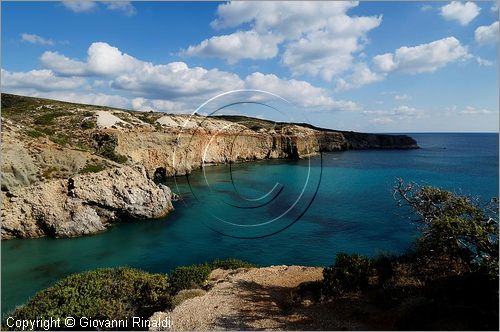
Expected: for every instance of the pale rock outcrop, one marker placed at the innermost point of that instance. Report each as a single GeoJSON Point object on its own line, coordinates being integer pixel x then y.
{"type": "Point", "coordinates": [106, 119]}
{"type": "Point", "coordinates": [83, 204]}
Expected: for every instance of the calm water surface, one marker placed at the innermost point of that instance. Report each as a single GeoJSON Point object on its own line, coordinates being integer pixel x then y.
{"type": "Point", "coordinates": [353, 211]}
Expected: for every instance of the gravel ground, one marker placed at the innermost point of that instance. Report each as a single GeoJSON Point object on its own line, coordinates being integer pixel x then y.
{"type": "Point", "coordinates": [259, 299]}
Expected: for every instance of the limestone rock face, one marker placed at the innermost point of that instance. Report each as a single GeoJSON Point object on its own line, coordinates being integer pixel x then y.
{"type": "Point", "coordinates": [83, 204]}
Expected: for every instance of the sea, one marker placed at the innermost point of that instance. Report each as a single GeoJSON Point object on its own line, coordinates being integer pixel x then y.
{"type": "Point", "coordinates": [269, 213]}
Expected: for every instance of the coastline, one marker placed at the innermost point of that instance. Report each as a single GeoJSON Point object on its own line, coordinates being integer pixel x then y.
{"type": "Point", "coordinates": [48, 145]}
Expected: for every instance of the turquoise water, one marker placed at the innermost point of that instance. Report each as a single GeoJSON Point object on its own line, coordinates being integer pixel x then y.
{"type": "Point", "coordinates": [353, 211]}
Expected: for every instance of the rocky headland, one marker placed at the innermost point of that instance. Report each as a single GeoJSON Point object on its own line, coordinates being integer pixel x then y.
{"type": "Point", "coordinates": [72, 169]}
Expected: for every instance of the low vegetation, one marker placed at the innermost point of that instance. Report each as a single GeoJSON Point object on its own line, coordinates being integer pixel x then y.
{"type": "Point", "coordinates": [102, 294]}
{"type": "Point", "coordinates": [119, 293]}
{"type": "Point", "coordinates": [195, 276]}
{"type": "Point", "coordinates": [93, 168]}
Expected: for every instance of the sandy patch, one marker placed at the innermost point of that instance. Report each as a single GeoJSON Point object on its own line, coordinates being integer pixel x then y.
{"type": "Point", "coordinates": [106, 120]}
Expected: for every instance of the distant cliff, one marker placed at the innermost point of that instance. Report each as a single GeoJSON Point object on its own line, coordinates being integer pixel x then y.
{"type": "Point", "coordinates": [46, 142]}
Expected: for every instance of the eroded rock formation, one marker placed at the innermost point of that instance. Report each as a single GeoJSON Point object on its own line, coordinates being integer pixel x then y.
{"type": "Point", "coordinates": [83, 204]}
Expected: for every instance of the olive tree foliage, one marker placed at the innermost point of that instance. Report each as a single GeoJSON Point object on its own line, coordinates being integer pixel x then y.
{"type": "Point", "coordinates": [452, 227]}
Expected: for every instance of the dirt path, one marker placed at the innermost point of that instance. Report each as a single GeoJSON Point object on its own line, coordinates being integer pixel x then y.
{"type": "Point", "coordinates": [257, 299]}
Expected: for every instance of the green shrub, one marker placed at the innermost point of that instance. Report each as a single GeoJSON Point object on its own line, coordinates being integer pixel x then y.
{"type": "Point", "coordinates": [119, 293]}
{"type": "Point", "coordinates": [188, 277]}
{"type": "Point", "coordinates": [456, 231]}
{"type": "Point", "coordinates": [33, 133]}
{"type": "Point", "coordinates": [230, 264]}
{"type": "Point", "coordinates": [112, 155]}
{"type": "Point", "coordinates": [60, 139]}
{"type": "Point", "coordinates": [186, 294]}
{"type": "Point", "coordinates": [88, 124]}
{"type": "Point", "coordinates": [195, 276]}
{"type": "Point", "coordinates": [47, 173]}
{"type": "Point", "coordinates": [349, 274]}
{"type": "Point", "coordinates": [46, 131]}
{"type": "Point", "coordinates": [48, 117]}
{"type": "Point", "coordinates": [92, 168]}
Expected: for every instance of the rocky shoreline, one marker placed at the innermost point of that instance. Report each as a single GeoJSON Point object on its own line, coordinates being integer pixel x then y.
{"type": "Point", "coordinates": [71, 169]}
{"type": "Point", "coordinates": [84, 204]}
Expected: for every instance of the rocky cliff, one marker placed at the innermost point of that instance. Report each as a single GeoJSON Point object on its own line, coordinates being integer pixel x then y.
{"type": "Point", "coordinates": [83, 204]}
{"type": "Point", "coordinates": [49, 146]}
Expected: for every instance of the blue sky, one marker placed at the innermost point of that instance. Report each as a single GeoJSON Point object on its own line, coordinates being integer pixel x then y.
{"type": "Point", "coordinates": [367, 66]}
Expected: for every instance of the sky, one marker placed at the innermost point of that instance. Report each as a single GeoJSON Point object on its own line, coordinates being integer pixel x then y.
{"type": "Point", "coordinates": [362, 66]}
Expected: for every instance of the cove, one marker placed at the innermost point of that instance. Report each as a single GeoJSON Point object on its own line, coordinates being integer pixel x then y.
{"type": "Point", "coordinates": [353, 211]}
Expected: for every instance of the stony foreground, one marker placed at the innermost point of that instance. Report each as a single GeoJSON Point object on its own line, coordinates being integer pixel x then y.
{"type": "Point", "coordinates": [259, 299]}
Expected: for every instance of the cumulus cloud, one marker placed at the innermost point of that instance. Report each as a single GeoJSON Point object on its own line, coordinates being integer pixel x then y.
{"type": "Point", "coordinates": [239, 45]}
{"type": "Point", "coordinates": [180, 84]}
{"type": "Point", "coordinates": [487, 34]}
{"type": "Point", "coordinates": [40, 80]}
{"type": "Point", "coordinates": [300, 93]}
{"type": "Point", "coordinates": [464, 13]}
{"type": "Point", "coordinates": [361, 75]}
{"type": "Point", "coordinates": [35, 39]}
{"type": "Point", "coordinates": [318, 38]}
{"type": "Point", "coordinates": [171, 87]}
{"type": "Point", "coordinates": [62, 65]}
{"type": "Point", "coordinates": [422, 58]}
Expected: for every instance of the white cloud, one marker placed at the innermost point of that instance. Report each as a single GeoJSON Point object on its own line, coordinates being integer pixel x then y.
{"type": "Point", "coordinates": [40, 80]}
{"type": "Point", "coordinates": [494, 7]}
{"type": "Point", "coordinates": [178, 82]}
{"type": "Point", "coordinates": [461, 12]}
{"type": "Point", "coordinates": [158, 105]}
{"type": "Point", "coordinates": [236, 46]}
{"type": "Point", "coordinates": [402, 97]}
{"type": "Point", "coordinates": [171, 87]}
{"type": "Point", "coordinates": [484, 62]}
{"type": "Point", "coordinates": [422, 58]}
{"type": "Point", "coordinates": [125, 7]}
{"type": "Point", "coordinates": [318, 38]}
{"type": "Point", "coordinates": [79, 6]}
{"type": "Point", "coordinates": [35, 39]}
{"type": "Point", "coordinates": [89, 98]}
{"type": "Point", "coordinates": [102, 59]}
{"type": "Point", "coordinates": [405, 111]}
{"type": "Point", "coordinates": [300, 93]}
{"type": "Point", "coordinates": [425, 8]}
{"type": "Point", "coordinates": [61, 64]}
{"type": "Point", "coordinates": [487, 34]}
{"type": "Point", "coordinates": [384, 120]}
{"type": "Point", "coordinates": [469, 110]}
{"type": "Point", "coordinates": [400, 113]}
{"type": "Point", "coordinates": [361, 75]}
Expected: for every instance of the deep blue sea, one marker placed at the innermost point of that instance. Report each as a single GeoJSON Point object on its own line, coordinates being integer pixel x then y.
{"type": "Point", "coordinates": [338, 202]}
